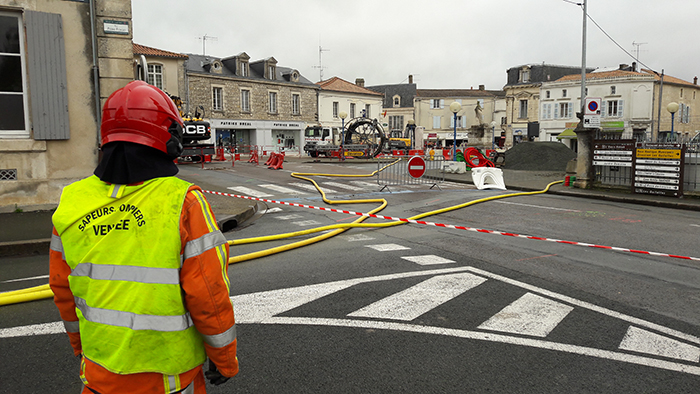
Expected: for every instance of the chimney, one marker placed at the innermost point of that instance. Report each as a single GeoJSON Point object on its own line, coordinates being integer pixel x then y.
{"type": "Point", "coordinates": [634, 66]}
{"type": "Point", "coordinates": [360, 82]}
{"type": "Point", "coordinates": [410, 78]}
{"type": "Point", "coordinates": [695, 80]}
{"type": "Point", "coordinates": [482, 87]}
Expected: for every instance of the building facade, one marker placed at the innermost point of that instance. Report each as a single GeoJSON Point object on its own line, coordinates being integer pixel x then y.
{"type": "Point", "coordinates": [397, 104]}
{"type": "Point", "coordinates": [337, 96]}
{"type": "Point", "coordinates": [256, 103]}
{"type": "Point", "coordinates": [57, 72]}
{"type": "Point", "coordinates": [481, 112]}
{"type": "Point", "coordinates": [630, 106]}
{"type": "Point", "coordinates": [164, 70]}
{"type": "Point", "coordinates": [523, 95]}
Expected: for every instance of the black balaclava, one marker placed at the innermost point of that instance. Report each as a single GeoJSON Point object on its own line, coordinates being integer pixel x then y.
{"type": "Point", "coordinates": [125, 163]}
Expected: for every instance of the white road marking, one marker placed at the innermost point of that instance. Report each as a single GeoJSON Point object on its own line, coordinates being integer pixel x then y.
{"type": "Point", "coordinates": [421, 298]}
{"type": "Point", "coordinates": [387, 247]}
{"type": "Point", "coordinates": [23, 279]}
{"type": "Point", "coordinates": [273, 210]}
{"type": "Point", "coordinates": [695, 225]}
{"type": "Point", "coordinates": [281, 189]}
{"type": "Point", "coordinates": [359, 237]}
{"type": "Point", "coordinates": [429, 259]}
{"type": "Point", "coordinates": [289, 217]}
{"type": "Point", "coordinates": [530, 315]}
{"type": "Point", "coordinates": [537, 206]}
{"type": "Point", "coordinates": [344, 186]}
{"type": "Point", "coordinates": [310, 187]}
{"type": "Point", "coordinates": [306, 223]}
{"type": "Point", "coordinates": [642, 341]}
{"type": "Point", "coordinates": [488, 337]}
{"type": "Point", "coordinates": [33, 329]}
{"type": "Point", "coordinates": [262, 308]}
{"type": "Point", "coordinates": [249, 192]}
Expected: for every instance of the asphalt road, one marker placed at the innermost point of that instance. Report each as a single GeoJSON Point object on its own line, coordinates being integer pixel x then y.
{"type": "Point", "coordinates": [418, 308]}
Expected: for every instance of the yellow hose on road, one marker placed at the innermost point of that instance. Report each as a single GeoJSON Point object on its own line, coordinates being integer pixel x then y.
{"type": "Point", "coordinates": [44, 291]}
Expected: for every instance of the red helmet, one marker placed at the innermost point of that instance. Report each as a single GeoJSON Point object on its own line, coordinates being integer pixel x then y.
{"type": "Point", "coordinates": [142, 114]}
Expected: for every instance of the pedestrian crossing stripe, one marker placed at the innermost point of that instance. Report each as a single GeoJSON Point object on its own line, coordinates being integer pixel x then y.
{"type": "Point", "coordinates": [674, 350]}
{"type": "Point", "coordinates": [530, 318]}
{"type": "Point", "coordinates": [387, 247]}
{"type": "Point", "coordinates": [354, 186]}
{"type": "Point", "coordinates": [429, 259]}
{"type": "Point", "coordinates": [249, 192]}
{"type": "Point", "coordinates": [281, 189]}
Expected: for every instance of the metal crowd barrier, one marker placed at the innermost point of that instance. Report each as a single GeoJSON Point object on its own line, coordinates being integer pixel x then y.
{"type": "Point", "coordinates": [395, 172]}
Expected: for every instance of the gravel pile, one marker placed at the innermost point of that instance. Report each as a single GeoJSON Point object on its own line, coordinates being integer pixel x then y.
{"type": "Point", "coordinates": [538, 156]}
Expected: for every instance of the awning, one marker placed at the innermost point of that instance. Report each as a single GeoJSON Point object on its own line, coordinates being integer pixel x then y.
{"type": "Point", "coordinates": [567, 134]}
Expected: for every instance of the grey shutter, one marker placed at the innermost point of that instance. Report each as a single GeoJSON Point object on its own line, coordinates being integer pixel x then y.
{"type": "Point", "coordinates": [47, 76]}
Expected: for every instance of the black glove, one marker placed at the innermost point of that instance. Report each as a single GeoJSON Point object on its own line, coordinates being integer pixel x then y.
{"type": "Point", "coordinates": [215, 377]}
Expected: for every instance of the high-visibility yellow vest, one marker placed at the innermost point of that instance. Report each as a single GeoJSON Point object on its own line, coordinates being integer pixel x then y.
{"type": "Point", "coordinates": [123, 246]}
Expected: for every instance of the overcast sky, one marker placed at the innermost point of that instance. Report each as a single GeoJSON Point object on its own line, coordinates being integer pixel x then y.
{"type": "Point", "coordinates": [443, 44]}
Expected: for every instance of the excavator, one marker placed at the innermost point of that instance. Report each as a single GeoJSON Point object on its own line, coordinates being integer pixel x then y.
{"type": "Point", "coordinates": [196, 134]}
{"type": "Point", "coordinates": [401, 140]}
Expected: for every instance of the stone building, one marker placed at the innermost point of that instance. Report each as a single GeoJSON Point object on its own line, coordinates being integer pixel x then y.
{"type": "Point", "coordinates": [523, 98]}
{"type": "Point", "coordinates": [397, 104]}
{"type": "Point", "coordinates": [474, 126]}
{"type": "Point", "coordinates": [251, 103]}
{"type": "Point", "coordinates": [60, 60]}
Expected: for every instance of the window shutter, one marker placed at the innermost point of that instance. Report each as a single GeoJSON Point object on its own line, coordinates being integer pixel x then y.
{"type": "Point", "coordinates": [556, 111]}
{"type": "Point", "coordinates": [452, 122]}
{"type": "Point", "coordinates": [604, 109]}
{"type": "Point", "coordinates": [442, 103]}
{"type": "Point", "coordinates": [46, 60]}
{"type": "Point", "coordinates": [620, 106]}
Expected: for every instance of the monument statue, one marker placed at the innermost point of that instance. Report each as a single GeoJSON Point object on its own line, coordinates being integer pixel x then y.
{"type": "Point", "coordinates": [479, 114]}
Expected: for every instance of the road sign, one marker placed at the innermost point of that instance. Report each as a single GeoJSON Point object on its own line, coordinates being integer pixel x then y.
{"type": "Point", "coordinates": [416, 166]}
{"type": "Point", "coordinates": [592, 106]}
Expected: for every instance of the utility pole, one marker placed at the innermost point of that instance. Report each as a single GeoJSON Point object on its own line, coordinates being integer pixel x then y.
{"type": "Point", "coordinates": [585, 174]}
{"type": "Point", "coordinates": [320, 63]}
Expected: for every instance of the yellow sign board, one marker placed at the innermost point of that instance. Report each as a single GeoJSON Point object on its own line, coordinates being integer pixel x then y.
{"type": "Point", "coordinates": [350, 153]}
{"type": "Point", "coordinates": [658, 153]}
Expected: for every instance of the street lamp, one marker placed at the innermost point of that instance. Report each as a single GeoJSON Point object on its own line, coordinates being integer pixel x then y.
{"type": "Point", "coordinates": [493, 131]}
{"type": "Point", "coordinates": [672, 107]}
{"type": "Point", "coordinates": [455, 107]}
{"type": "Point", "coordinates": [342, 115]}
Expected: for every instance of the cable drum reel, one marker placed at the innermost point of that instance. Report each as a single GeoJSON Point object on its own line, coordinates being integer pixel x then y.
{"type": "Point", "coordinates": [367, 132]}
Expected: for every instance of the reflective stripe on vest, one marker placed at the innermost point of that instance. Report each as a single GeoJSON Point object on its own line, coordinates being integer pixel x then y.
{"type": "Point", "coordinates": [124, 249]}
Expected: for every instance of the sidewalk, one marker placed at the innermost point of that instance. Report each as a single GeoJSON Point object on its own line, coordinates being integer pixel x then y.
{"type": "Point", "coordinates": [30, 232]}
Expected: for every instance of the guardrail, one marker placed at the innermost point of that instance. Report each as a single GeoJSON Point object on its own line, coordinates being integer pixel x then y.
{"type": "Point", "coordinates": [403, 170]}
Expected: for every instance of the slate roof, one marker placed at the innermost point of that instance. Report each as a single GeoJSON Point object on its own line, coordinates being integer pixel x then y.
{"type": "Point", "coordinates": [407, 92]}
{"type": "Point", "coordinates": [459, 93]}
{"type": "Point", "coordinates": [340, 85]}
{"type": "Point", "coordinates": [148, 51]}
{"type": "Point", "coordinates": [541, 73]}
{"type": "Point", "coordinates": [196, 64]}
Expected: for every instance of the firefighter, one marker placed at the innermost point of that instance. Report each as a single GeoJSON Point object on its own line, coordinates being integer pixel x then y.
{"type": "Point", "coordinates": [138, 265]}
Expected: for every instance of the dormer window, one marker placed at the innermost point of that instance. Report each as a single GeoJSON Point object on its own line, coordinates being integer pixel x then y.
{"type": "Point", "coordinates": [525, 75]}
{"type": "Point", "coordinates": [271, 72]}
{"type": "Point", "coordinates": [244, 69]}
{"type": "Point", "coordinates": [397, 101]}
{"type": "Point", "coordinates": [270, 69]}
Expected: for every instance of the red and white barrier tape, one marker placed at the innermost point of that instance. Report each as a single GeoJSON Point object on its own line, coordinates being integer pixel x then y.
{"type": "Point", "coordinates": [478, 230]}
